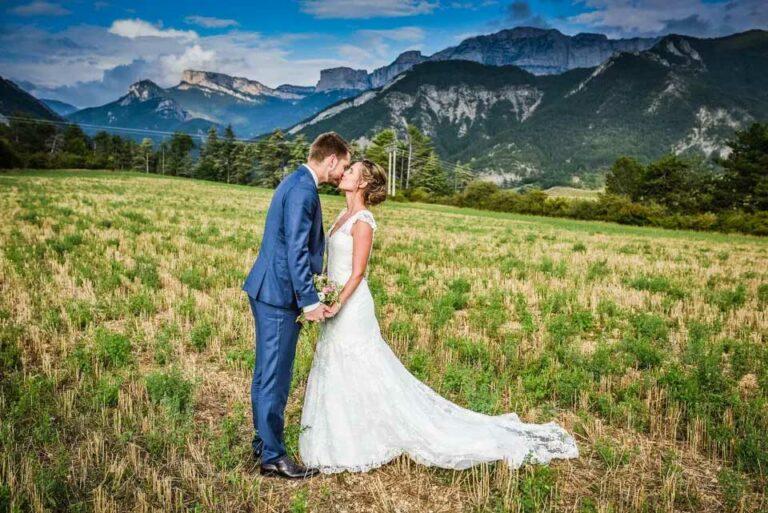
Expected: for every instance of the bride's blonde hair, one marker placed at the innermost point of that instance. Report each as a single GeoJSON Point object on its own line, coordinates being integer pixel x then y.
{"type": "Point", "coordinates": [376, 190]}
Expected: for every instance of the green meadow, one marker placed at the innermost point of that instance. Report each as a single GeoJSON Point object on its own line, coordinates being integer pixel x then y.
{"type": "Point", "coordinates": [127, 349]}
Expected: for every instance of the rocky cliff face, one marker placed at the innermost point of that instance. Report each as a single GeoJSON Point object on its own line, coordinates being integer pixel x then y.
{"type": "Point", "coordinates": [538, 51]}
{"type": "Point", "coordinates": [239, 87]}
{"type": "Point", "coordinates": [343, 78]}
{"type": "Point", "coordinates": [541, 51]}
{"type": "Point", "coordinates": [404, 62]}
{"type": "Point", "coordinates": [360, 79]}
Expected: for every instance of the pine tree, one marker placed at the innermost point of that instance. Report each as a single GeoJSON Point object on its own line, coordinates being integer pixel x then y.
{"type": "Point", "coordinates": [745, 180]}
{"type": "Point", "coordinates": [207, 165]}
{"type": "Point", "coordinates": [379, 148]}
{"type": "Point", "coordinates": [178, 160]}
{"type": "Point", "coordinates": [226, 155]}
{"type": "Point", "coordinates": [299, 149]}
{"type": "Point", "coordinates": [432, 177]}
{"type": "Point", "coordinates": [274, 158]}
{"type": "Point", "coordinates": [245, 162]}
{"type": "Point", "coordinates": [625, 177]}
{"type": "Point", "coordinates": [460, 177]}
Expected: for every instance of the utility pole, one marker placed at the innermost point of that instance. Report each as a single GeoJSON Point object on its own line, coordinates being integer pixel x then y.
{"type": "Point", "coordinates": [389, 172]}
{"type": "Point", "coordinates": [410, 153]}
{"type": "Point", "coordinates": [394, 167]}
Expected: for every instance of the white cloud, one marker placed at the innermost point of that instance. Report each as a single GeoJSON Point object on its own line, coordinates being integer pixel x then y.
{"type": "Point", "coordinates": [89, 65]}
{"type": "Point", "coordinates": [210, 22]}
{"type": "Point", "coordinates": [135, 28]}
{"type": "Point", "coordinates": [194, 57]}
{"type": "Point", "coordinates": [619, 18]}
{"type": "Point", "coordinates": [39, 8]}
{"type": "Point", "coordinates": [362, 9]}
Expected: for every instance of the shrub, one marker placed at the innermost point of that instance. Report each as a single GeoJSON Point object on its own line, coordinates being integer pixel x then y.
{"type": "Point", "coordinates": [477, 193]}
{"type": "Point", "coordinates": [170, 389]}
{"type": "Point", "coordinates": [112, 349]}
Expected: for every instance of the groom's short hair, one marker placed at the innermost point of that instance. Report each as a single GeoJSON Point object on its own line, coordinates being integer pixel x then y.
{"type": "Point", "coordinates": [327, 144]}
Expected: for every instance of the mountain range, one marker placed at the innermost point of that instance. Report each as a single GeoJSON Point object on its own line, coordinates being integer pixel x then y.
{"type": "Point", "coordinates": [204, 98]}
{"type": "Point", "coordinates": [525, 104]}
{"type": "Point", "coordinates": [146, 106]}
{"type": "Point", "coordinates": [536, 50]}
{"type": "Point", "coordinates": [682, 95]}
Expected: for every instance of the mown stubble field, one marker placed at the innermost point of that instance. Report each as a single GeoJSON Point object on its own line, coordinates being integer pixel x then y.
{"type": "Point", "coordinates": [127, 349]}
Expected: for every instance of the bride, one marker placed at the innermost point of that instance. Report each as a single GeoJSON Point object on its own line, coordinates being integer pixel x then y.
{"type": "Point", "coordinates": [362, 407]}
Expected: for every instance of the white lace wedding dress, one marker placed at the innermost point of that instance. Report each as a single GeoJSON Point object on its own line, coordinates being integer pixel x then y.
{"type": "Point", "coordinates": [363, 408]}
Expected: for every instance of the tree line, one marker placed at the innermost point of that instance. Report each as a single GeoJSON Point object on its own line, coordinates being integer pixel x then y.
{"type": "Point", "coordinates": [672, 192]}
{"type": "Point", "coordinates": [219, 156]}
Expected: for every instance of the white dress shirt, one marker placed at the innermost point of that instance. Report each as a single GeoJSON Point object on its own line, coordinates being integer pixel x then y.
{"type": "Point", "coordinates": [311, 307]}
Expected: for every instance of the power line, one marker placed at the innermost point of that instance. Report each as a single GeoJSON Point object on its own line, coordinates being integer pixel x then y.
{"type": "Point", "coordinates": [115, 128]}
{"type": "Point", "coordinates": [392, 147]}
{"type": "Point", "coordinates": [449, 165]}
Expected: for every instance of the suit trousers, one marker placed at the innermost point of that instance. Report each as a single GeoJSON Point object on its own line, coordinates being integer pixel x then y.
{"type": "Point", "coordinates": [276, 335]}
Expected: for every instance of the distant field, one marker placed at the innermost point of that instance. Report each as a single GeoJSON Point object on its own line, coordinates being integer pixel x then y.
{"type": "Point", "coordinates": [572, 192]}
{"type": "Point", "coordinates": [127, 351]}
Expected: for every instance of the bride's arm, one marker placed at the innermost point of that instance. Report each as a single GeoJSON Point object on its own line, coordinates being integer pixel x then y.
{"type": "Point", "coordinates": [362, 240]}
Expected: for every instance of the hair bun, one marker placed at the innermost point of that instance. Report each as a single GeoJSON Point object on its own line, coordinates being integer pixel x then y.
{"type": "Point", "coordinates": [374, 175]}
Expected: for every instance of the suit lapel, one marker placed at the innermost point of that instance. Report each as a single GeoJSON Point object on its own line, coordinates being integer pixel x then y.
{"type": "Point", "coordinates": [307, 175]}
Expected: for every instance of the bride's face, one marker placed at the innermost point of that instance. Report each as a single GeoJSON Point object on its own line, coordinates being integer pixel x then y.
{"type": "Point", "coordinates": [352, 179]}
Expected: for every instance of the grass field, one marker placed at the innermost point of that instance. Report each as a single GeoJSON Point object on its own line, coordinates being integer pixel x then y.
{"type": "Point", "coordinates": [127, 352]}
{"type": "Point", "coordinates": [572, 193]}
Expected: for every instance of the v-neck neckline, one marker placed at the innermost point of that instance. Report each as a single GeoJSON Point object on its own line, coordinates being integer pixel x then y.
{"type": "Point", "coordinates": [336, 226]}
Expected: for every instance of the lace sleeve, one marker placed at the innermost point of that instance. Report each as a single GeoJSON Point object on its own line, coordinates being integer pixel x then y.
{"type": "Point", "coordinates": [365, 216]}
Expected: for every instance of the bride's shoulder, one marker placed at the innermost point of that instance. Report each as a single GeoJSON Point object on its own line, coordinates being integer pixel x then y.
{"type": "Point", "coordinates": [366, 216]}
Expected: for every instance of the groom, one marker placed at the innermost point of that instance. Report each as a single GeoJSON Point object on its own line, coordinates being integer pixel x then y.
{"type": "Point", "coordinates": [279, 284]}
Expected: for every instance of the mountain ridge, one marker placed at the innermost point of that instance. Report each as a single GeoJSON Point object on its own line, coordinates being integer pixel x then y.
{"type": "Point", "coordinates": [537, 50]}
{"type": "Point", "coordinates": [145, 106]}
{"type": "Point", "coordinates": [203, 99]}
{"type": "Point", "coordinates": [14, 101]}
{"type": "Point", "coordinates": [684, 95]}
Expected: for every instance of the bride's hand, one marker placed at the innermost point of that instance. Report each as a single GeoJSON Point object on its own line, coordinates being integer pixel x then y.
{"type": "Point", "coordinates": [333, 310]}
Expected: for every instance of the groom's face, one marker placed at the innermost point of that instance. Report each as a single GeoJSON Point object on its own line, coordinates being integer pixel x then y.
{"type": "Point", "coordinates": [335, 173]}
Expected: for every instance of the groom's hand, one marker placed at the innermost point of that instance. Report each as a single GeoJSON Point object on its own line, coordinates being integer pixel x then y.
{"type": "Point", "coordinates": [316, 314]}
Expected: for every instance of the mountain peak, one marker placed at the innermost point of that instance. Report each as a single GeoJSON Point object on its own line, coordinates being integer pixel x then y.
{"type": "Point", "coordinates": [409, 56]}
{"type": "Point", "coordinates": [343, 78]}
{"type": "Point", "coordinates": [677, 49]}
{"type": "Point", "coordinates": [142, 91]}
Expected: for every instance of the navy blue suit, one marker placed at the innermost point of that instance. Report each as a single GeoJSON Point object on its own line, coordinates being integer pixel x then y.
{"type": "Point", "coordinates": [278, 286]}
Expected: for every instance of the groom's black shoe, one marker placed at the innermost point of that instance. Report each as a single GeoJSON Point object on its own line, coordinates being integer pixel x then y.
{"type": "Point", "coordinates": [286, 467]}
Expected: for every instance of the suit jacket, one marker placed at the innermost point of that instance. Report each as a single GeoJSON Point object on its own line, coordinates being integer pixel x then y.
{"type": "Point", "coordinates": [292, 247]}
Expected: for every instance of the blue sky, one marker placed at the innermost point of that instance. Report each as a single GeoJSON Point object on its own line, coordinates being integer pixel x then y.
{"type": "Point", "coordinates": [87, 53]}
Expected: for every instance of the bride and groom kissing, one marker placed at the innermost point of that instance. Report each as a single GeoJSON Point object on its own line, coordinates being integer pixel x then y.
{"type": "Point", "coordinates": [362, 407]}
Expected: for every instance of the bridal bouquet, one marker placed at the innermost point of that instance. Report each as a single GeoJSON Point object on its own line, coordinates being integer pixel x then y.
{"type": "Point", "coordinates": [327, 291]}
